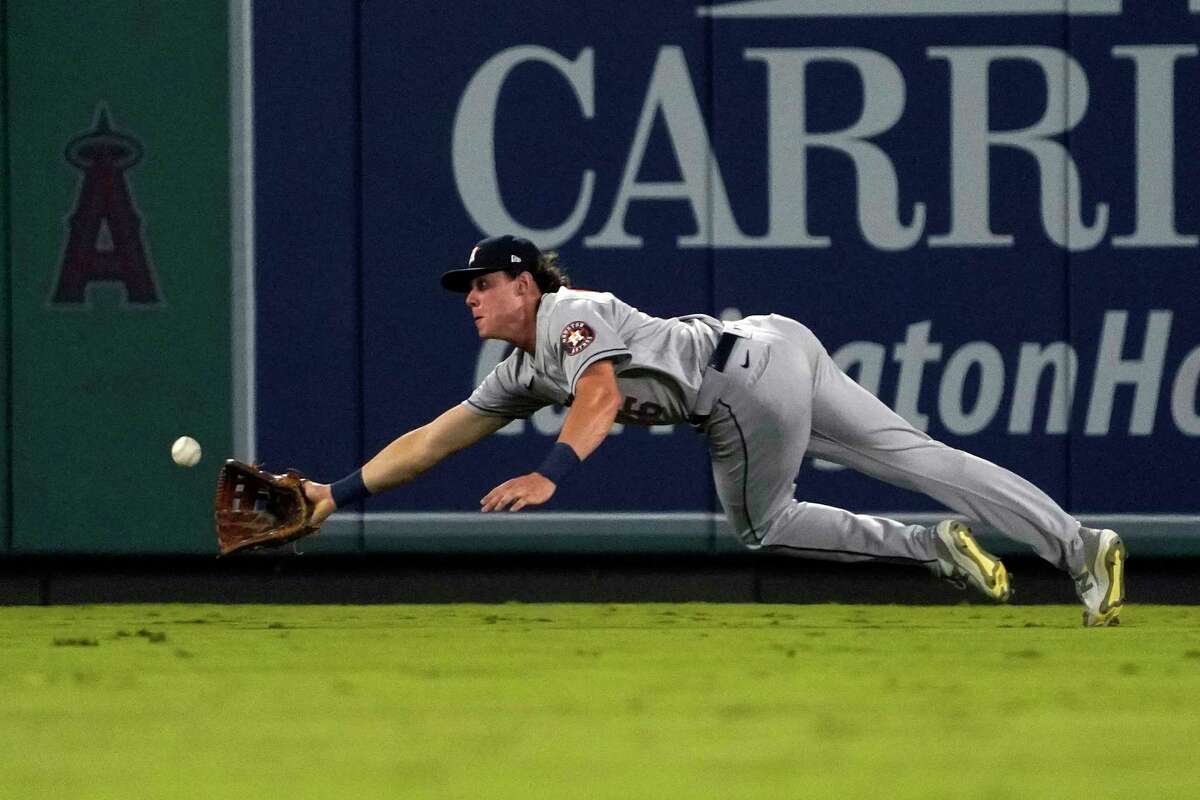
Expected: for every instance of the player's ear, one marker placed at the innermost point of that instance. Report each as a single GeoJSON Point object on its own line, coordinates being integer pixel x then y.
{"type": "Point", "coordinates": [526, 283]}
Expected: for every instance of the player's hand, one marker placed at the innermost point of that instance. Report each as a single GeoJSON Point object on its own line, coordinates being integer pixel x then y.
{"type": "Point", "coordinates": [321, 496]}
{"type": "Point", "coordinates": [528, 490]}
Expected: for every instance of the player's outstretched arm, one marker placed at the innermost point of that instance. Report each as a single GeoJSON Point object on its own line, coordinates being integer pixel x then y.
{"type": "Point", "coordinates": [418, 450]}
{"type": "Point", "coordinates": [411, 454]}
{"type": "Point", "coordinates": [597, 400]}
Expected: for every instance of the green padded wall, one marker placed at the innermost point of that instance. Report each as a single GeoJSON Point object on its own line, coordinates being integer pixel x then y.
{"type": "Point", "coordinates": [118, 132]}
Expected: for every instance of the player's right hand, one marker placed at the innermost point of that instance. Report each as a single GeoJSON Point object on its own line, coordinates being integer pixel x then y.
{"type": "Point", "coordinates": [321, 496]}
{"type": "Point", "coordinates": [523, 492]}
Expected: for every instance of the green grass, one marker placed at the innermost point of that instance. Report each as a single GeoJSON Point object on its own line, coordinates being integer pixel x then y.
{"type": "Point", "coordinates": [596, 701]}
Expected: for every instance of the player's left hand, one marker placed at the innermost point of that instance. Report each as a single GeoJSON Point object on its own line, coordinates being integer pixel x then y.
{"type": "Point", "coordinates": [321, 496]}
{"type": "Point", "coordinates": [528, 490]}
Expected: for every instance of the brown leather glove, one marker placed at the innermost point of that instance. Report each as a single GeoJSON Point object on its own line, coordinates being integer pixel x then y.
{"type": "Point", "coordinates": [256, 508]}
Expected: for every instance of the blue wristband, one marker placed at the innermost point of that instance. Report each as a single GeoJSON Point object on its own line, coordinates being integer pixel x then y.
{"type": "Point", "coordinates": [559, 463]}
{"type": "Point", "coordinates": [349, 489]}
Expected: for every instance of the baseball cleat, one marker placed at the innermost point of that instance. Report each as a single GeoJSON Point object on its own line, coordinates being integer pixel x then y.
{"type": "Point", "coordinates": [1101, 585]}
{"type": "Point", "coordinates": [963, 562]}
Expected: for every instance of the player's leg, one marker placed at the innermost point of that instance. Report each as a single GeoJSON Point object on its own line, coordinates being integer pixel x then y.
{"type": "Point", "coordinates": [758, 437]}
{"type": "Point", "coordinates": [758, 434]}
{"type": "Point", "coordinates": [854, 428]}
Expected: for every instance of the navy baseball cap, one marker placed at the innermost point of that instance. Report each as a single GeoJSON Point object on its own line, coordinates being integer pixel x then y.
{"type": "Point", "coordinates": [508, 253]}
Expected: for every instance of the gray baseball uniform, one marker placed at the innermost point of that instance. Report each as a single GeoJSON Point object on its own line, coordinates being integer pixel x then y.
{"type": "Point", "coordinates": [765, 392]}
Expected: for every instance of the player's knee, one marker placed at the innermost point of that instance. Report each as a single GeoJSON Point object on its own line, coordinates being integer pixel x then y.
{"type": "Point", "coordinates": [754, 530]}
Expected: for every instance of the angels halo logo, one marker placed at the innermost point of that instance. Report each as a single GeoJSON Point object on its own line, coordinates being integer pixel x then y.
{"type": "Point", "coordinates": [575, 337]}
{"type": "Point", "coordinates": [104, 241]}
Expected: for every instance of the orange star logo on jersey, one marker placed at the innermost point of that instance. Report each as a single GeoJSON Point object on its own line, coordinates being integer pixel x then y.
{"type": "Point", "coordinates": [575, 337]}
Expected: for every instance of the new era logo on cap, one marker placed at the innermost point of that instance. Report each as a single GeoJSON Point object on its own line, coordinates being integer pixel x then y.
{"type": "Point", "coordinates": [490, 255]}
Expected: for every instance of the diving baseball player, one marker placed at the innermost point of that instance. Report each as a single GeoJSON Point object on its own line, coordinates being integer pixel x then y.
{"type": "Point", "coordinates": [764, 392]}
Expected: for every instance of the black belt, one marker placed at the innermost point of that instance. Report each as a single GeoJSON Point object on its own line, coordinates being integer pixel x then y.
{"type": "Point", "coordinates": [721, 353]}
{"type": "Point", "coordinates": [716, 363]}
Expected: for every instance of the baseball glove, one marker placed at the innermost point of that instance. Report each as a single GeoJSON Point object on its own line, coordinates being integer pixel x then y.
{"type": "Point", "coordinates": [256, 508]}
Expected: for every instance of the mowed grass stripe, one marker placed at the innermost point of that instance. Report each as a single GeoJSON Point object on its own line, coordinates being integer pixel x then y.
{"type": "Point", "coordinates": [603, 701]}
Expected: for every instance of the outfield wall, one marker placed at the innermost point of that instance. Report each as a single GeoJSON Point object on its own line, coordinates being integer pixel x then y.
{"type": "Point", "coordinates": [5, 304]}
{"type": "Point", "coordinates": [119, 268]}
{"type": "Point", "coordinates": [988, 211]}
{"type": "Point", "coordinates": [991, 219]}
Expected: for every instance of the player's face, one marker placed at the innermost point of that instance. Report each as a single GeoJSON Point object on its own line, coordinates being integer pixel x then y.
{"type": "Point", "coordinates": [497, 305]}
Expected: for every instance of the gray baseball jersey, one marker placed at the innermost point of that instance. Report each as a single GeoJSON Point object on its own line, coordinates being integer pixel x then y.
{"type": "Point", "coordinates": [770, 393]}
{"type": "Point", "coordinates": [658, 362]}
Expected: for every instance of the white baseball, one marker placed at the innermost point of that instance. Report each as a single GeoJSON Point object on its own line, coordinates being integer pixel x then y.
{"type": "Point", "coordinates": [186, 451]}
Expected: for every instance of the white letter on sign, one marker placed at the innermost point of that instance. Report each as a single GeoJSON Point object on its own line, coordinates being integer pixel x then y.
{"type": "Point", "coordinates": [790, 141]}
{"type": "Point", "coordinates": [970, 140]}
{"type": "Point", "coordinates": [671, 92]}
{"type": "Point", "coordinates": [473, 151]}
{"type": "Point", "coordinates": [1183, 395]}
{"type": "Point", "coordinates": [1144, 374]}
{"type": "Point", "coordinates": [1155, 68]}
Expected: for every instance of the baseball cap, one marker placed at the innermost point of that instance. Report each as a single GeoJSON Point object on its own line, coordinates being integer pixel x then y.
{"type": "Point", "coordinates": [495, 253]}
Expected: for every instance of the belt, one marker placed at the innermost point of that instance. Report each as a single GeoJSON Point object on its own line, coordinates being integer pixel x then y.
{"type": "Point", "coordinates": [724, 347]}
{"type": "Point", "coordinates": [710, 384]}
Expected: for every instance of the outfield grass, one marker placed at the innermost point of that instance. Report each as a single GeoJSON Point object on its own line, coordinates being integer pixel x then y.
{"type": "Point", "coordinates": [597, 701]}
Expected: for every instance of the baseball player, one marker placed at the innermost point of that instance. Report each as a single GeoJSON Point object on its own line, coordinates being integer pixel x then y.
{"type": "Point", "coordinates": [764, 392]}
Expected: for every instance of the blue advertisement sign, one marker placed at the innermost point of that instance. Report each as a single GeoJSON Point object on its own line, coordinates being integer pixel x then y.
{"type": "Point", "coordinates": [988, 211]}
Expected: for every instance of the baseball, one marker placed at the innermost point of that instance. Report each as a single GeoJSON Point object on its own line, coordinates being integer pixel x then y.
{"type": "Point", "coordinates": [186, 451]}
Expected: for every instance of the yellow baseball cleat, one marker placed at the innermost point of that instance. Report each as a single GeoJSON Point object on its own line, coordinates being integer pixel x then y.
{"type": "Point", "coordinates": [964, 563]}
{"type": "Point", "coordinates": [1101, 585]}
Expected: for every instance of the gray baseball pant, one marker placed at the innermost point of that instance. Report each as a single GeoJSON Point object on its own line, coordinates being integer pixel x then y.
{"type": "Point", "coordinates": [780, 396]}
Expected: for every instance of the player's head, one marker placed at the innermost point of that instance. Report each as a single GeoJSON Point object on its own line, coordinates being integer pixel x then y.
{"type": "Point", "coordinates": [504, 281]}
{"type": "Point", "coordinates": [511, 255]}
